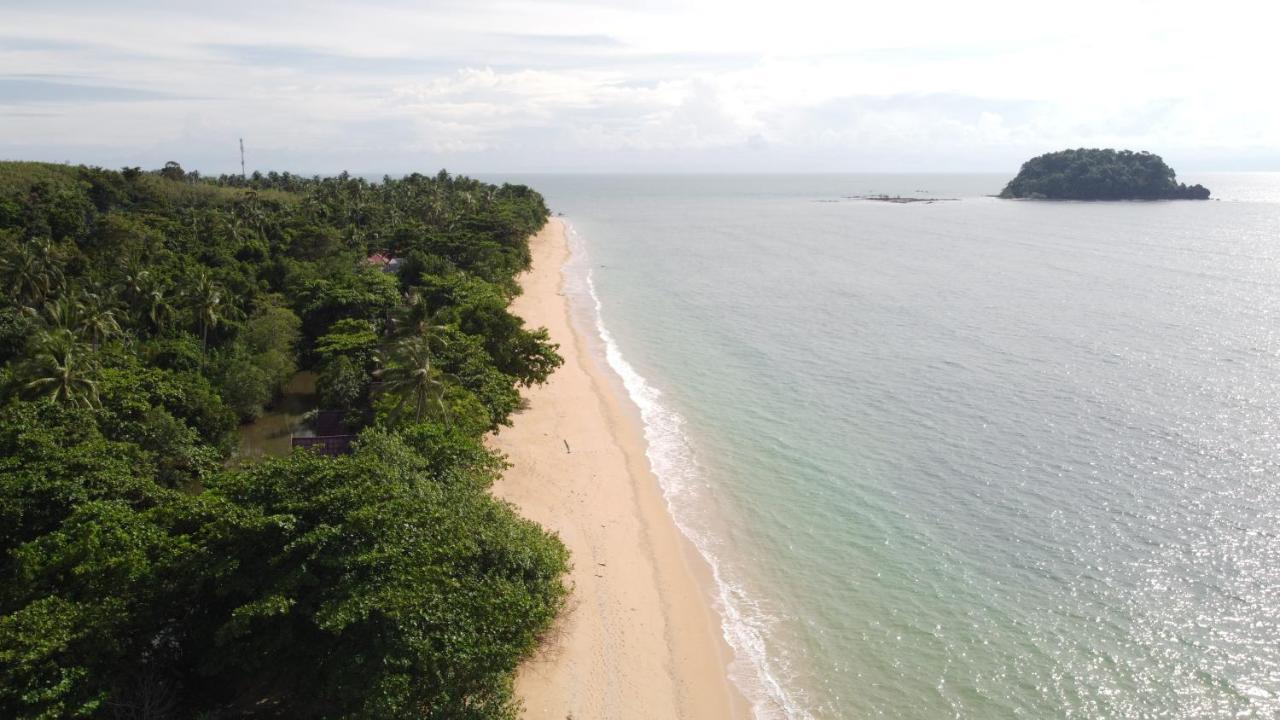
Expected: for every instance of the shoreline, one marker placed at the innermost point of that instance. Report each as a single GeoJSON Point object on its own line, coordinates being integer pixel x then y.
{"type": "Point", "coordinates": [639, 637]}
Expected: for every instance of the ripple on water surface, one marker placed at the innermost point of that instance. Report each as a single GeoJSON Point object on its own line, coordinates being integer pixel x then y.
{"type": "Point", "coordinates": [971, 459]}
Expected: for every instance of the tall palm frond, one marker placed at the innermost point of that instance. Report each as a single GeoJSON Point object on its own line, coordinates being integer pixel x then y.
{"type": "Point", "coordinates": [413, 376]}
{"type": "Point", "coordinates": [415, 319]}
{"type": "Point", "coordinates": [57, 314]}
{"type": "Point", "coordinates": [159, 308]}
{"type": "Point", "coordinates": [210, 304]}
{"type": "Point", "coordinates": [60, 368]}
{"type": "Point", "coordinates": [31, 270]}
{"type": "Point", "coordinates": [97, 320]}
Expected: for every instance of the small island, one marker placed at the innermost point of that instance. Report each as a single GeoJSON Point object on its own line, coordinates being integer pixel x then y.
{"type": "Point", "coordinates": [1094, 174]}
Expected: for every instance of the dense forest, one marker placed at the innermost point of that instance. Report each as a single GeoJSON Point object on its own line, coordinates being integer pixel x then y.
{"type": "Point", "coordinates": [146, 572]}
{"type": "Point", "coordinates": [1093, 174]}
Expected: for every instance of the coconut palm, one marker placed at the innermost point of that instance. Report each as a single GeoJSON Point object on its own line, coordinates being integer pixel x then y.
{"type": "Point", "coordinates": [85, 315]}
{"type": "Point", "coordinates": [57, 314]}
{"type": "Point", "coordinates": [31, 270]}
{"type": "Point", "coordinates": [158, 307]}
{"type": "Point", "coordinates": [415, 318]}
{"type": "Point", "coordinates": [249, 211]}
{"type": "Point", "coordinates": [135, 281]}
{"type": "Point", "coordinates": [97, 318]}
{"type": "Point", "coordinates": [412, 376]}
{"type": "Point", "coordinates": [210, 305]}
{"type": "Point", "coordinates": [60, 368]}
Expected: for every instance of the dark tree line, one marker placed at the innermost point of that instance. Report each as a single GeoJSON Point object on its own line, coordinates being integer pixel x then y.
{"type": "Point", "coordinates": [146, 315]}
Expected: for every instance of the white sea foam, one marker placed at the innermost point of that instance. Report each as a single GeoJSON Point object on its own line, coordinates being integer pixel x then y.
{"type": "Point", "coordinates": [744, 623]}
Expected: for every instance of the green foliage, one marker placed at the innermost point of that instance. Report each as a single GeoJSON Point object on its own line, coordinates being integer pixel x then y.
{"type": "Point", "coordinates": [414, 378]}
{"type": "Point", "coordinates": [52, 459]}
{"type": "Point", "coordinates": [313, 242]}
{"type": "Point", "coordinates": [181, 459]}
{"type": "Point", "coordinates": [272, 328]}
{"type": "Point", "coordinates": [61, 368]}
{"type": "Point", "coordinates": [463, 586]}
{"type": "Point", "coordinates": [130, 389]}
{"type": "Point", "coordinates": [247, 388]}
{"type": "Point", "coordinates": [147, 313]}
{"type": "Point", "coordinates": [1085, 174]}
{"type": "Point", "coordinates": [261, 359]}
{"type": "Point", "coordinates": [347, 355]}
{"type": "Point", "coordinates": [15, 327]}
{"type": "Point", "coordinates": [386, 584]}
{"type": "Point", "coordinates": [208, 304]}
{"type": "Point", "coordinates": [270, 337]}
{"type": "Point", "coordinates": [32, 269]}
{"type": "Point", "coordinates": [180, 353]}
{"type": "Point", "coordinates": [17, 177]}
{"type": "Point", "coordinates": [343, 385]}
{"type": "Point", "coordinates": [464, 358]}
{"type": "Point", "coordinates": [479, 309]}
{"type": "Point", "coordinates": [364, 293]}
{"type": "Point", "coordinates": [90, 619]}
{"type": "Point", "coordinates": [351, 337]}
{"type": "Point", "coordinates": [44, 648]}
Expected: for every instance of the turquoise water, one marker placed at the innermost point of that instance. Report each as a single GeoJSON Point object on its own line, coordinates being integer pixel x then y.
{"type": "Point", "coordinates": [971, 459]}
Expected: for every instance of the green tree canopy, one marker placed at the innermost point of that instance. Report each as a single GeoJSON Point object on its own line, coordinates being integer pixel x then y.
{"type": "Point", "coordinates": [144, 574]}
{"type": "Point", "coordinates": [1093, 174]}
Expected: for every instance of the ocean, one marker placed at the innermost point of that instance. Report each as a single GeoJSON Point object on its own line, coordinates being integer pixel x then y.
{"type": "Point", "coordinates": [970, 459]}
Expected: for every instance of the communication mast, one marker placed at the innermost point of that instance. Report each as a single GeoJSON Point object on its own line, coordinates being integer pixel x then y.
{"type": "Point", "coordinates": [242, 175]}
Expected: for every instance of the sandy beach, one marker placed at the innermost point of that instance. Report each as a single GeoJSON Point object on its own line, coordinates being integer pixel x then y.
{"type": "Point", "coordinates": [639, 638]}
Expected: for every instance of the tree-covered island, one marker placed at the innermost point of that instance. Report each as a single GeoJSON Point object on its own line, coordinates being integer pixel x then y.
{"type": "Point", "coordinates": [146, 315]}
{"type": "Point", "coordinates": [1094, 174]}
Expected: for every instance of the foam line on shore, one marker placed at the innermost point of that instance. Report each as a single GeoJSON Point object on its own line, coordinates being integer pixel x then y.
{"type": "Point", "coordinates": [639, 637]}
{"type": "Point", "coordinates": [744, 624]}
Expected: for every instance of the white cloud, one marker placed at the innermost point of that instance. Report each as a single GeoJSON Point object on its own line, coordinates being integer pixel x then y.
{"type": "Point", "coordinates": [708, 84]}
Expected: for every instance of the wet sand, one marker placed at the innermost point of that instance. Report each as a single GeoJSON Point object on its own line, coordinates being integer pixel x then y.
{"type": "Point", "coordinates": [639, 638]}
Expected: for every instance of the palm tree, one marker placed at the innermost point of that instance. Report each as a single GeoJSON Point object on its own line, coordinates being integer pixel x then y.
{"type": "Point", "coordinates": [159, 308]}
{"type": "Point", "coordinates": [413, 376]}
{"type": "Point", "coordinates": [97, 318]}
{"type": "Point", "coordinates": [250, 211]}
{"type": "Point", "coordinates": [31, 270]}
{"type": "Point", "coordinates": [145, 295]}
{"type": "Point", "coordinates": [414, 318]}
{"type": "Point", "coordinates": [135, 281]}
{"type": "Point", "coordinates": [57, 314]}
{"type": "Point", "coordinates": [61, 368]}
{"type": "Point", "coordinates": [210, 305]}
{"type": "Point", "coordinates": [85, 315]}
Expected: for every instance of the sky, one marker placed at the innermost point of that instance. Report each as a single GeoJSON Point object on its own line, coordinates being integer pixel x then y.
{"type": "Point", "coordinates": [393, 86]}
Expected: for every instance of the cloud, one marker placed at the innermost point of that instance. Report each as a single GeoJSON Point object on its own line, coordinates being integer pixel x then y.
{"type": "Point", "coordinates": [13, 43]}
{"type": "Point", "coordinates": [395, 85]}
{"type": "Point", "coordinates": [597, 40]}
{"type": "Point", "coordinates": [315, 60]}
{"type": "Point", "coordinates": [32, 90]}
